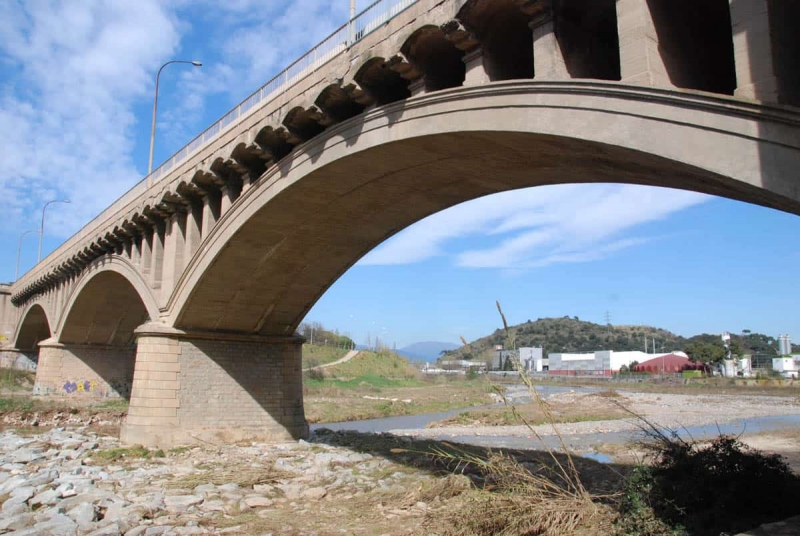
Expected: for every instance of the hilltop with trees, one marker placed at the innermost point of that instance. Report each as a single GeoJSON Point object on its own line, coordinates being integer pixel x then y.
{"type": "Point", "coordinates": [572, 335]}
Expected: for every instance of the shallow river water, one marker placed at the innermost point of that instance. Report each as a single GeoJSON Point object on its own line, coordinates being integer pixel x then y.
{"type": "Point", "coordinates": [577, 442]}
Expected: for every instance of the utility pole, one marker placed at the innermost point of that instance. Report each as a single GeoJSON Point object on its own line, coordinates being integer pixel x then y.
{"type": "Point", "coordinates": [608, 320]}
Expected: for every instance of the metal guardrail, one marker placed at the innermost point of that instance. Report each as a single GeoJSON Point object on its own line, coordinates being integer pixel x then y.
{"type": "Point", "coordinates": [369, 20]}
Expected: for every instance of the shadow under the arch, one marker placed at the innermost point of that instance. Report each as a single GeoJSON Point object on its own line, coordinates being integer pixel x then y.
{"type": "Point", "coordinates": [95, 371]}
{"type": "Point", "coordinates": [444, 457]}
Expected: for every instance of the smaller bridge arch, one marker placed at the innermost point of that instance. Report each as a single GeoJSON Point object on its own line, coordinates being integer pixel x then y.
{"type": "Point", "coordinates": [93, 351]}
{"type": "Point", "coordinates": [112, 296]}
{"type": "Point", "coordinates": [34, 327]}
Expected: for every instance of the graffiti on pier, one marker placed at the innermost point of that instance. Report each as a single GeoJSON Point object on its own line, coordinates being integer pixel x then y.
{"type": "Point", "coordinates": [113, 389]}
{"type": "Point", "coordinates": [80, 387]}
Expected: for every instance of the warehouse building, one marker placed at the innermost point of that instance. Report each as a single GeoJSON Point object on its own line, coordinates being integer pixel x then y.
{"type": "Point", "coordinates": [599, 363]}
{"type": "Point", "coordinates": [666, 364]}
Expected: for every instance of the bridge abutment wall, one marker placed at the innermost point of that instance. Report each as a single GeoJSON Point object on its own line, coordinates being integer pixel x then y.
{"type": "Point", "coordinates": [214, 388]}
{"type": "Point", "coordinates": [76, 370]}
{"type": "Point", "coordinates": [8, 316]}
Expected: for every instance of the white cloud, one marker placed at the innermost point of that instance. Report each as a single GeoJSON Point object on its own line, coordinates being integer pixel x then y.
{"type": "Point", "coordinates": [75, 77]}
{"type": "Point", "coordinates": [253, 42]}
{"type": "Point", "coordinates": [75, 69]}
{"type": "Point", "coordinates": [541, 226]}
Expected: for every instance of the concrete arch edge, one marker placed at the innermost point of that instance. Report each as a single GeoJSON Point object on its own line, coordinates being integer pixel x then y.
{"type": "Point", "coordinates": [762, 140]}
{"type": "Point", "coordinates": [120, 266]}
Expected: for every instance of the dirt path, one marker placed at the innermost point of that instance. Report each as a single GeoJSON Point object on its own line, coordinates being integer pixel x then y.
{"type": "Point", "coordinates": [348, 356]}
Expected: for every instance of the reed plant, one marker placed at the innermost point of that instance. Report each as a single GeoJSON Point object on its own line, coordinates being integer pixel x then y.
{"type": "Point", "coordinates": [545, 497]}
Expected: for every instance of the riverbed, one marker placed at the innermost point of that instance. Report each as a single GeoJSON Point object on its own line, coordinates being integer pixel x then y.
{"type": "Point", "coordinates": [690, 416]}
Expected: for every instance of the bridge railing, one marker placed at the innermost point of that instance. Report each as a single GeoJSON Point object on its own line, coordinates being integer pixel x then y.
{"type": "Point", "coordinates": [370, 19]}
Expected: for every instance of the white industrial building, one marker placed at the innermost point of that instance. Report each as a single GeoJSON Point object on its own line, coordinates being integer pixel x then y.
{"type": "Point", "coordinates": [599, 363]}
{"type": "Point", "coordinates": [788, 367]}
{"type": "Point", "coordinates": [533, 359]}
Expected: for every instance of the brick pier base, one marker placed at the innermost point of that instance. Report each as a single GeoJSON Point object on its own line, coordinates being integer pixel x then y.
{"type": "Point", "coordinates": [84, 370]}
{"type": "Point", "coordinates": [214, 388]}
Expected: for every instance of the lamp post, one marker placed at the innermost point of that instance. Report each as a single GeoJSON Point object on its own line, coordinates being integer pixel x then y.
{"type": "Point", "coordinates": [351, 36]}
{"type": "Point", "coordinates": [155, 107]}
{"type": "Point", "coordinates": [19, 250]}
{"type": "Point", "coordinates": [41, 228]}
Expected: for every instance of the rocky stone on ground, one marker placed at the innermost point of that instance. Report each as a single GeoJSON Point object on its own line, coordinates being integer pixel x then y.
{"type": "Point", "coordinates": [71, 481]}
{"type": "Point", "coordinates": [61, 482]}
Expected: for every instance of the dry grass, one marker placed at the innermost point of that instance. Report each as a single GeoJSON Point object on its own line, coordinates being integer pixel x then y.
{"type": "Point", "coordinates": [126, 454]}
{"type": "Point", "coordinates": [547, 498]}
{"type": "Point", "coordinates": [227, 475]}
{"type": "Point", "coordinates": [427, 491]}
{"type": "Point", "coordinates": [329, 403]}
{"type": "Point", "coordinates": [518, 500]}
{"type": "Point", "coordinates": [608, 393]}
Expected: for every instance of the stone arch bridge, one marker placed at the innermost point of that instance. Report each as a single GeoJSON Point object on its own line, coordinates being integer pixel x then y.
{"type": "Point", "coordinates": [185, 294]}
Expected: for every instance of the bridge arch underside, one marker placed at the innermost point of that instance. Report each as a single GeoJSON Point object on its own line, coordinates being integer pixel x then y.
{"type": "Point", "coordinates": [95, 351]}
{"type": "Point", "coordinates": [35, 327]}
{"type": "Point", "coordinates": [316, 215]}
{"type": "Point", "coordinates": [222, 362]}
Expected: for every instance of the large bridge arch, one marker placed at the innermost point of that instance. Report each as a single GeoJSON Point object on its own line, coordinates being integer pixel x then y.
{"type": "Point", "coordinates": [341, 194]}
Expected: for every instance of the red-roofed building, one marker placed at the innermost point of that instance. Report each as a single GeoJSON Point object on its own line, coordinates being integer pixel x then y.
{"type": "Point", "coordinates": [671, 363]}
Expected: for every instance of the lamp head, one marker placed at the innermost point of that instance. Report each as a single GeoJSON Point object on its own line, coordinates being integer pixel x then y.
{"type": "Point", "coordinates": [197, 63]}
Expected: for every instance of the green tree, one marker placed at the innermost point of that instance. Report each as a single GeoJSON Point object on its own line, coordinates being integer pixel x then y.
{"type": "Point", "coordinates": [705, 352]}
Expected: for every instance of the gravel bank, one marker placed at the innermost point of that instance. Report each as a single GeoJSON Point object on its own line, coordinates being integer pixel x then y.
{"type": "Point", "coordinates": [666, 410]}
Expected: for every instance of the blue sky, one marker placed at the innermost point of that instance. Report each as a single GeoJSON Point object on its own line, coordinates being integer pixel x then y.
{"type": "Point", "coordinates": [76, 86]}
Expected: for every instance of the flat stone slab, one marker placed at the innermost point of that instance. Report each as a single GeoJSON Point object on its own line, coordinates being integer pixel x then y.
{"type": "Point", "coordinates": [787, 527]}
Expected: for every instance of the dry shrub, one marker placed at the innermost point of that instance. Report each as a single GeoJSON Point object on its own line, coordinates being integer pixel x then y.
{"type": "Point", "coordinates": [706, 488]}
{"type": "Point", "coordinates": [517, 500]}
{"type": "Point", "coordinates": [316, 374]}
{"type": "Point", "coordinates": [723, 485]}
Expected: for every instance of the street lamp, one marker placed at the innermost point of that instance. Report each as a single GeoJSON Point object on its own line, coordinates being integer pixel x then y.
{"type": "Point", "coordinates": [19, 250]}
{"type": "Point", "coordinates": [41, 228]}
{"type": "Point", "coordinates": [155, 107]}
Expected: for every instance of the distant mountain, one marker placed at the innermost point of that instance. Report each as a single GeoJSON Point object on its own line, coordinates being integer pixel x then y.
{"type": "Point", "coordinates": [426, 351]}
